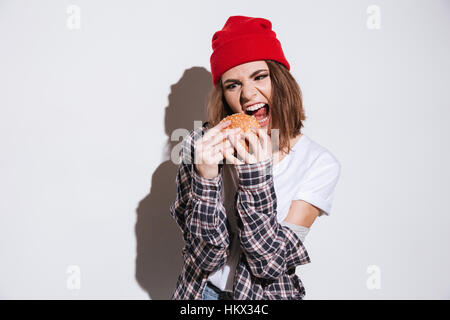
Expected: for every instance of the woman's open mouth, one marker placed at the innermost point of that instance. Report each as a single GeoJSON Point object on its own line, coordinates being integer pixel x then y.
{"type": "Point", "coordinates": [261, 114]}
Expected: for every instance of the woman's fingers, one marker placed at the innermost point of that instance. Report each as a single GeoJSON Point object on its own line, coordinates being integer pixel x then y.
{"type": "Point", "coordinates": [214, 145]}
{"type": "Point", "coordinates": [220, 137]}
{"type": "Point", "coordinates": [254, 143]}
{"type": "Point", "coordinates": [206, 151]}
{"type": "Point", "coordinates": [265, 140]}
{"type": "Point", "coordinates": [210, 148]}
{"type": "Point", "coordinates": [229, 155]}
{"type": "Point", "coordinates": [242, 152]}
{"type": "Point", "coordinates": [260, 144]}
{"type": "Point", "coordinates": [215, 130]}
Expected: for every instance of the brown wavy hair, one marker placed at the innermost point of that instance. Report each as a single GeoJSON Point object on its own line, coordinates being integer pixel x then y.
{"type": "Point", "coordinates": [285, 105]}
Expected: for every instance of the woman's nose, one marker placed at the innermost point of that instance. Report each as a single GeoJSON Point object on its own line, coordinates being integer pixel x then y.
{"type": "Point", "coordinates": [248, 91]}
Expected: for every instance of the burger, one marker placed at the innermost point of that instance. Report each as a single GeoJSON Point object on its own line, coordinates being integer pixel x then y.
{"type": "Point", "coordinates": [243, 121]}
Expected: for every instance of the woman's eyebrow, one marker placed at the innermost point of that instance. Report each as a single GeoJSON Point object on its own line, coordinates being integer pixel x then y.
{"type": "Point", "coordinates": [251, 76]}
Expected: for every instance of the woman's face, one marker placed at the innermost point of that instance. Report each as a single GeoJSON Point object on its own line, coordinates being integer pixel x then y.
{"type": "Point", "coordinates": [247, 89]}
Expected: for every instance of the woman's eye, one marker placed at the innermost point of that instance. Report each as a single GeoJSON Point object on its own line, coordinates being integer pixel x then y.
{"type": "Point", "coordinates": [230, 86]}
{"type": "Point", "coordinates": [261, 76]}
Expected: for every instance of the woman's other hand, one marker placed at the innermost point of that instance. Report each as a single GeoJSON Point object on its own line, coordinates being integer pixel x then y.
{"type": "Point", "coordinates": [260, 144]}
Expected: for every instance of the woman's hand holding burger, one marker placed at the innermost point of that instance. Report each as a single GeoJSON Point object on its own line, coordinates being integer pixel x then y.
{"type": "Point", "coordinates": [260, 144]}
{"type": "Point", "coordinates": [214, 146]}
{"type": "Point", "coordinates": [258, 140]}
{"type": "Point", "coordinates": [211, 149]}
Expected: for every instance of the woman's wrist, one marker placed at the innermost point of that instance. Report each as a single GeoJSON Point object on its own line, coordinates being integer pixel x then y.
{"type": "Point", "coordinates": [255, 174]}
{"type": "Point", "coordinates": [205, 189]}
{"type": "Point", "coordinates": [207, 172]}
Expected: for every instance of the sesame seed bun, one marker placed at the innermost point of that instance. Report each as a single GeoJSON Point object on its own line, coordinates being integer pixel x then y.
{"type": "Point", "coordinates": [243, 121]}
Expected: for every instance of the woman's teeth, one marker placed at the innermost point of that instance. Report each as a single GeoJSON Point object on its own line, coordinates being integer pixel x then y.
{"type": "Point", "coordinates": [263, 120]}
{"type": "Point", "coordinates": [256, 107]}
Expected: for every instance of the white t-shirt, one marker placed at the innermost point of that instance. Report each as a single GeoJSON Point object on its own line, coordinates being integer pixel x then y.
{"type": "Point", "coordinates": [309, 172]}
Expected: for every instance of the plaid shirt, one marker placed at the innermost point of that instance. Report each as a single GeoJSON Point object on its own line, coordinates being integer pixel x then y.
{"type": "Point", "coordinates": [270, 251]}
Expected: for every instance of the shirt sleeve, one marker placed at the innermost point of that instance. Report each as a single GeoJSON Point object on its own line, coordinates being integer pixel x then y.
{"type": "Point", "coordinates": [199, 212]}
{"type": "Point", "coordinates": [270, 248]}
{"type": "Point", "coordinates": [300, 231]}
{"type": "Point", "coordinates": [319, 185]}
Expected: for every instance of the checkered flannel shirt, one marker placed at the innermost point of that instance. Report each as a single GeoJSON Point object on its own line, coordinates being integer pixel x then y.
{"type": "Point", "coordinates": [270, 251]}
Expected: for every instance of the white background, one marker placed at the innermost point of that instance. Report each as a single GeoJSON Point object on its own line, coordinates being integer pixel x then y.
{"type": "Point", "coordinates": [86, 116]}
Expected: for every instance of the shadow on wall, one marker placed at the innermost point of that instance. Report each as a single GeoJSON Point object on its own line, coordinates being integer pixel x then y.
{"type": "Point", "coordinates": [159, 239]}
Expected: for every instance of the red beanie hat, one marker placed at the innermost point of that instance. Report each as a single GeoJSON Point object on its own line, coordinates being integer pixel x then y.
{"type": "Point", "coordinates": [244, 39]}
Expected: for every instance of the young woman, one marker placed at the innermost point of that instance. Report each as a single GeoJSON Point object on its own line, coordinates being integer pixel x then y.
{"type": "Point", "coordinates": [244, 220]}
